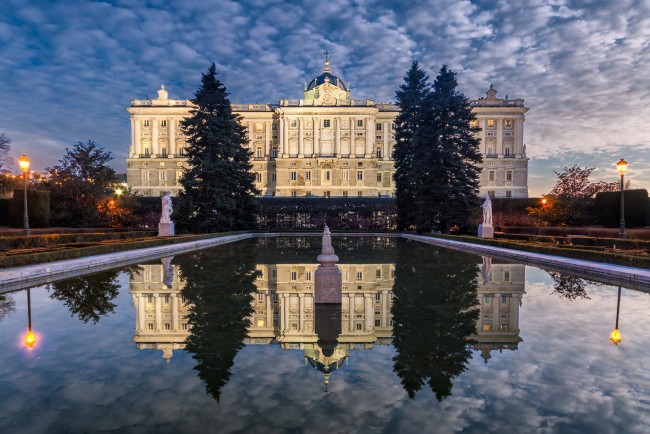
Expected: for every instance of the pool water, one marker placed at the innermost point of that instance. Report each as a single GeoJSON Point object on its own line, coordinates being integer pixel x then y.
{"type": "Point", "coordinates": [229, 340]}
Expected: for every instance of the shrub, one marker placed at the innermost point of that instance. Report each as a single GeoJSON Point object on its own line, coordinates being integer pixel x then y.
{"type": "Point", "coordinates": [607, 208]}
{"type": "Point", "coordinates": [38, 203]}
{"type": "Point", "coordinates": [4, 211]}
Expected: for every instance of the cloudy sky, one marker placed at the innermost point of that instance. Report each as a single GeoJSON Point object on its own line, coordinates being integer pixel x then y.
{"type": "Point", "coordinates": [68, 69]}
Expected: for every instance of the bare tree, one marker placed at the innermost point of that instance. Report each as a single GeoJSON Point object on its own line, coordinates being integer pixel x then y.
{"type": "Point", "coordinates": [4, 150]}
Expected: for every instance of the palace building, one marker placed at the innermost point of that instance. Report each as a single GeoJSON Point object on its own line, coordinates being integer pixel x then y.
{"type": "Point", "coordinates": [323, 145]}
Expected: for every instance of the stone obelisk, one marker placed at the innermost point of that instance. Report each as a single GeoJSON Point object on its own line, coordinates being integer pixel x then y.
{"type": "Point", "coordinates": [328, 280]}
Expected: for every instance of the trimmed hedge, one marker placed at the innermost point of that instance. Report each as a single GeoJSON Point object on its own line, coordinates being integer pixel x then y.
{"type": "Point", "coordinates": [59, 255]}
{"type": "Point", "coordinates": [607, 208]}
{"type": "Point", "coordinates": [611, 243]}
{"type": "Point", "coordinates": [38, 209]}
{"type": "Point", "coordinates": [36, 241]}
{"type": "Point", "coordinates": [596, 256]}
{"type": "Point", "coordinates": [4, 210]}
{"type": "Point", "coordinates": [339, 213]}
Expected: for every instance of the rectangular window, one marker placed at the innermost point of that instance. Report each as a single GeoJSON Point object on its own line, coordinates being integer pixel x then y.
{"type": "Point", "coordinates": [490, 123]}
{"type": "Point", "coordinates": [509, 175]}
{"type": "Point", "coordinates": [259, 126]}
{"type": "Point", "coordinates": [294, 176]}
{"type": "Point", "coordinates": [274, 127]}
{"type": "Point", "coordinates": [359, 175]}
{"type": "Point", "coordinates": [360, 123]}
{"type": "Point", "coordinates": [162, 176]}
{"type": "Point", "coordinates": [184, 326]}
{"type": "Point", "coordinates": [164, 152]}
{"type": "Point", "coordinates": [308, 194]}
{"type": "Point", "coordinates": [294, 123]}
{"type": "Point", "coordinates": [294, 194]}
{"type": "Point", "coordinates": [273, 176]}
{"type": "Point", "coordinates": [326, 194]}
{"type": "Point", "coordinates": [506, 276]}
{"type": "Point", "coordinates": [308, 175]}
{"type": "Point", "coordinates": [378, 276]}
{"type": "Point", "coordinates": [259, 153]}
{"type": "Point", "coordinates": [328, 175]}
{"type": "Point", "coordinates": [274, 153]}
{"type": "Point", "coordinates": [145, 175]}
{"type": "Point", "coordinates": [377, 323]}
{"type": "Point", "coordinates": [508, 123]}
{"type": "Point", "coordinates": [345, 175]}
{"type": "Point", "coordinates": [491, 175]}
{"type": "Point", "coordinates": [486, 327]}
{"type": "Point", "coordinates": [359, 275]}
{"type": "Point", "coordinates": [378, 126]}
{"type": "Point", "coordinates": [378, 152]}
{"type": "Point", "coordinates": [181, 151]}
{"type": "Point", "coordinates": [491, 193]}
{"type": "Point", "coordinates": [163, 124]}
{"type": "Point", "coordinates": [308, 275]}
{"type": "Point", "coordinates": [258, 177]}
{"type": "Point", "coordinates": [393, 127]}
{"type": "Point", "coordinates": [508, 193]}
{"type": "Point", "coordinates": [294, 275]}
{"type": "Point", "coordinates": [359, 326]}
{"type": "Point", "coordinates": [150, 326]}
{"type": "Point", "coordinates": [326, 123]}
{"type": "Point", "coordinates": [379, 177]}
{"type": "Point", "coordinates": [179, 174]}
{"type": "Point", "coordinates": [146, 124]}
{"type": "Point", "coordinates": [359, 194]}
{"type": "Point", "coordinates": [345, 194]}
{"type": "Point", "coordinates": [472, 124]}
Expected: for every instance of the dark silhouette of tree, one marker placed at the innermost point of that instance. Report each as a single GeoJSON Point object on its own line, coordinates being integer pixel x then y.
{"type": "Point", "coordinates": [88, 297]}
{"type": "Point", "coordinates": [567, 286]}
{"type": "Point", "coordinates": [218, 187]}
{"type": "Point", "coordinates": [434, 315]}
{"type": "Point", "coordinates": [436, 153]}
{"type": "Point", "coordinates": [219, 285]}
{"type": "Point", "coordinates": [7, 306]}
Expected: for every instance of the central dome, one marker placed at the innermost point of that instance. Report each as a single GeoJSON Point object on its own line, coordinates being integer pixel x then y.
{"type": "Point", "coordinates": [333, 79]}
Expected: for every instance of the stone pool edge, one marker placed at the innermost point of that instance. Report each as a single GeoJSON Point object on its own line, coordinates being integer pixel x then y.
{"type": "Point", "coordinates": [597, 270]}
{"type": "Point", "coordinates": [12, 279]}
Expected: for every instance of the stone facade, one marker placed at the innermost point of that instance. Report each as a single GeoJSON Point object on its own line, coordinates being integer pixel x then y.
{"type": "Point", "coordinates": [323, 145]}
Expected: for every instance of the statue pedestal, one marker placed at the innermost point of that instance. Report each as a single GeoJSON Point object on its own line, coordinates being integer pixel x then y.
{"type": "Point", "coordinates": [328, 285]}
{"type": "Point", "coordinates": [166, 229]}
{"type": "Point", "coordinates": [485, 231]}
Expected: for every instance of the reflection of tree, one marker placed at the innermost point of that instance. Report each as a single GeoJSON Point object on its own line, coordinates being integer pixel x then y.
{"type": "Point", "coordinates": [7, 306]}
{"type": "Point", "coordinates": [433, 310]}
{"type": "Point", "coordinates": [219, 284]}
{"type": "Point", "coordinates": [88, 297]}
{"type": "Point", "coordinates": [567, 286]}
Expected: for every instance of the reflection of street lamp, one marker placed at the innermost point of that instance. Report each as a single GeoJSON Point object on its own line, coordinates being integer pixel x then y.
{"type": "Point", "coordinates": [30, 338]}
{"type": "Point", "coordinates": [543, 202]}
{"type": "Point", "coordinates": [118, 191]}
{"type": "Point", "coordinates": [24, 165]}
{"type": "Point", "coordinates": [622, 167]}
{"type": "Point", "coordinates": [616, 335]}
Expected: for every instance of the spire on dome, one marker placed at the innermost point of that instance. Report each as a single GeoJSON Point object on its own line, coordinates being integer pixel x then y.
{"type": "Point", "coordinates": [327, 63]}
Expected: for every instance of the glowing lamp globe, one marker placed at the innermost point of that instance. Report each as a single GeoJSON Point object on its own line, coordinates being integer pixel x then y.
{"type": "Point", "coordinates": [24, 163]}
{"type": "Point", "coordinates": [616, 336]}
{"type": "Point", "coordinates": [621, 166]}
{"type": "Point", "coordinates": [544, 201]}
{"type": "Point", "coordinates": [30, 339]}
{"type": "Point", "coordinates": [118, 191]}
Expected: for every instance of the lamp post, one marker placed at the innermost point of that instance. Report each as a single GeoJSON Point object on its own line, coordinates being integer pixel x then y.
{"type": "Point", "coordinates": [616, 335]}
{"type": "Point", "coordinates": [30, 338]}
{"type": "Point", "coordinates": [622, 167]}
{"type": "Point", "coordinates": [24, 165]}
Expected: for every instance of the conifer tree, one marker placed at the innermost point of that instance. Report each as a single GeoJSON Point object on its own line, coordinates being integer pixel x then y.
{"type": "Point", "coordinates": [436, 155]}
{"type": "Point", "coordinates": [218, 187]}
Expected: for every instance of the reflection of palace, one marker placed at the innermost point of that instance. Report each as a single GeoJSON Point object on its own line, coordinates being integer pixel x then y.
{"type": "Point", "coordinates": [284, 309]}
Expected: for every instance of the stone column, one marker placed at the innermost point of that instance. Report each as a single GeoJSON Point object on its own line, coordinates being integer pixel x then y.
{"type": "Point", "coordinates": [384, 308]}
{"type": "Point", "coordinates": [370, 137]}
{"type": "Point", "coordinates": [158, 311]}
{"type": "Point", "coordinates": [301, 150]}
{"type": "Point", "coordinates": [337, 142]}
{"type": "Point", "coordinates": [482, 124]}
{"type": "Point", "coordinates": [315, 150]}
{"type": "Point", "coordinates": [140, 320]}
{"type": "Point", "coordinates": [137, 144]}
{"type": "Point", "coordinates": [269, 310]}
{"type": "Point", "coordinates": [387, 134]}
{"type": "Point", "coordinates": [267, 139]}
{"type": "Point", "coordinates": [174, 312]}
{"type": "Point", "coordinates": [351, 298]}
{"type": "Point", "coordinates": [171, 123]}
{"type": "Point", "coordinates": [369, 312]}
{"type": "Point", "coordinates": [499, 149]}
{"type": "Point", "coordinates": [154, 137]}
{"type": "Point", "coordinates": [281, 138]}
{"type": "Point", "coordinates": [301, 305]}
{"type": "Point", "coordinates": [132, 137]}
{"type": "Point", "coordinates": [519, 137]}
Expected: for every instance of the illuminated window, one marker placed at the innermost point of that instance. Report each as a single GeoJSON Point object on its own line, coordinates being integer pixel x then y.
{"type": "Point", "coordinates": [259, 126]}
{"type": "Point", "coordinates": [260, 323]}
{"type": "Point", "coordinates": [486, 327]}
{"type": "Point", "coordinates": [508, 123]}
{"type": "Point", "coordinates": [472, 124]}
{"type": "Point", "coordinates": [490, 123]}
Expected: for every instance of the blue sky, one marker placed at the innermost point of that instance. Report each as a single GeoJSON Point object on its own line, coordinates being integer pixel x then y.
{"type": "Point", "coordinates": [68, 69]}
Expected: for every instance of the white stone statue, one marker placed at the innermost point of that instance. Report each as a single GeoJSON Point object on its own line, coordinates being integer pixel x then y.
{"type": "Point", "coordinates": [486, 269]}
{"type": "Point", "coordinates": [487, 211]}
{"type": "Point", "coordinates": [168, 271]}
{"type": "Point", "coordinates": [165, 216]}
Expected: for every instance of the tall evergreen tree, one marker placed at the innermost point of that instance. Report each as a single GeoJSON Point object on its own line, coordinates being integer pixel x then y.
{"type": "Point", "coordinates": [218, 187]}
{"type": "Point", "coordinates": [413, 98]}
{"type": "Point", "coordinates": [437, 153]}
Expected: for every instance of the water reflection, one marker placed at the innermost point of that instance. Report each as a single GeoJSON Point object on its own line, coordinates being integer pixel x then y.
{"type": "Point", "coordinates": [7, 306]}
{"type": "Point", "coordinates": [88, 297]}
{"type": "Point", "coordinates": [212, 306]}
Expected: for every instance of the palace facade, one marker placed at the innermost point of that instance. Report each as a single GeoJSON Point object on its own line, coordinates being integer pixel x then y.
{"type": "Point", "coordinates": [325, 144]}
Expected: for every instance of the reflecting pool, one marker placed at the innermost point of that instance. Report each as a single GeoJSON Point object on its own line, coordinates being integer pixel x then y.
{"type": "Point", "coordinates": [229, 340]}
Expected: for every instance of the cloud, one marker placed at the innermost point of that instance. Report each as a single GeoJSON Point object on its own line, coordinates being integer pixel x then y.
{"type": "Point", "coordinates": [70, 68]}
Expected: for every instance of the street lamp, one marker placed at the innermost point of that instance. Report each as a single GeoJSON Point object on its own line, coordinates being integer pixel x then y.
{"type": "Point", "coordinates": [24, 165]}
{"type": "Point", "coordinates": [616, 335]}
{"type": "Point", "coordinates": [30, 338]}
{"type": "Point", "coordinates": [118, 191]}
{"type": "Point", "coordinates": [622, 167]}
